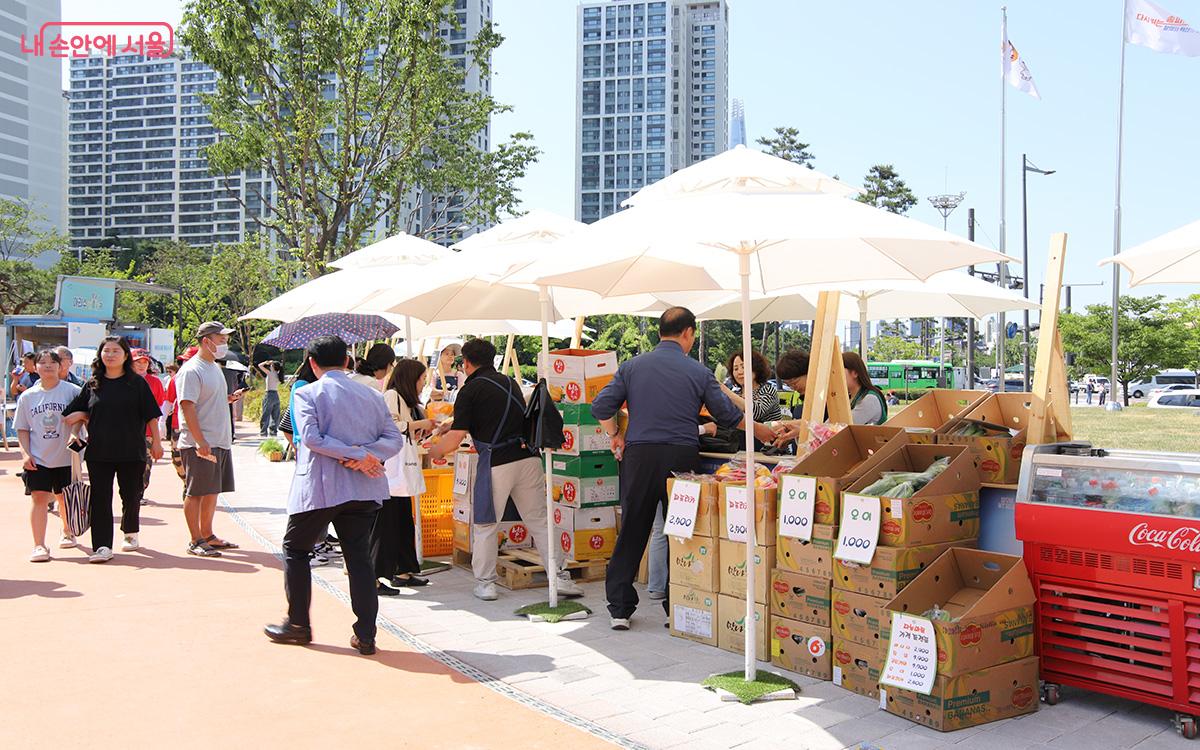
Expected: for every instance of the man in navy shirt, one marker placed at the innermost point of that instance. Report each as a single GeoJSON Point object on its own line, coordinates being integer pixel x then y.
{"type": "Point", "coordinates": [664, 390]}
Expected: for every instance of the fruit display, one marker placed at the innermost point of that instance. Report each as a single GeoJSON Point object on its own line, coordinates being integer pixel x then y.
{"type": "Point", "coordinates": [734, 471]}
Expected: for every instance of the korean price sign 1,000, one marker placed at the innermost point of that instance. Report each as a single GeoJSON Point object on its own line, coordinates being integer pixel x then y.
{"type": "Point", "coordinates": [859, 530]}
{"type": "Point", "coordinates": [682, 509]}
{"type": "Point", "coordinates": [796, 496]}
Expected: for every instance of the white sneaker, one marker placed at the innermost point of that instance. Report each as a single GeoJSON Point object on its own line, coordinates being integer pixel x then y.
{"type": "Point", "coordinates": [40, 554]}
{"type": "Point", "coordinates": [102, 555]}
{"type": "Point", "coordinates": [619, 623]}
{"type": "Point", "coordinates": [486, 591]}
{"type": "Point", "coordinates": [66, 541]}
{"type": "Point", "coordinates": [130, 544]}
{"type": "Point", "coordinates": [567, 587]}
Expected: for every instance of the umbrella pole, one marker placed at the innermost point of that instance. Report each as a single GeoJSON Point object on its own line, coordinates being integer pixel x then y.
{"type": "Point", "coordinates": [551, 564]}
{"type": "Point", "coordinates": [862, 326]}
{"type": "Point", "coordinates": [750, 631]}
{"type": "Point", "coordinates": [408, 335]}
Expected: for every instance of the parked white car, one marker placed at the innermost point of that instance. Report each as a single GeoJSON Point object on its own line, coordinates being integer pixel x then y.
{"type": "Point", "coordinates": [1186, 399]}
{"type": "Point", "coordinates": [1164, 378]}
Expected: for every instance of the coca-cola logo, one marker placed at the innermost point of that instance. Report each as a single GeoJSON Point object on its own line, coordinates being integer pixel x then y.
{"type": "Point", "coordinates": [1182, 539]}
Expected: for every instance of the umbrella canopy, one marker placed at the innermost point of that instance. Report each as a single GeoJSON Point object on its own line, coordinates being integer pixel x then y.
{"type": "Point", "coordinates": [563, 329]}
{"type": "Point", "coordinates": [516, 240]}
{"type": "Point", "coordinates": [397, 250]}
{"type": "Point", "coordinates": [741, 169]}
{"type": "Point", "coordinates": [349, 327]}
{"type": "Point", "coordinates": [1173, 258]}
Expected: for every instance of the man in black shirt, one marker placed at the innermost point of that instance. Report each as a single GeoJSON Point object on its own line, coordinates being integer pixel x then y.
{"type": "Point", "coordinates": [491, 409]}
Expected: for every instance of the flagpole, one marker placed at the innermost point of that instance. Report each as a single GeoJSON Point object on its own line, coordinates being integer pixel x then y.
{"type": "Point", "coordinates": [1113, 403]}
{"type": "Point", "coordinates": [1000, 333]}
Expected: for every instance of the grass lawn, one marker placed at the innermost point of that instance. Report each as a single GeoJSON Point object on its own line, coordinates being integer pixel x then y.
{"type": "Point", "coordinates": [1139, 428]}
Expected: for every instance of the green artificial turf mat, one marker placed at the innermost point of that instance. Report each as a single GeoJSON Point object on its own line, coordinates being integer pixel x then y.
{"type": "Point", "coordinates": [748, 692]}
{"type": "Point", "coordinates": [544, 611]}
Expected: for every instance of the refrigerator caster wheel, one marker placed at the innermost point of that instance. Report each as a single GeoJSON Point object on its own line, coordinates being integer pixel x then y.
{"type": "Point", "coordinates": [1051, 694]}
{"type": "Point", "coordinates": [1186, 726]}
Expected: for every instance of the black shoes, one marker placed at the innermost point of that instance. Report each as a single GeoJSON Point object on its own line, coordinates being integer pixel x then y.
{"type": "Point", "coordinates": [383, 589]}
{"type": "Point", "coordinates": [397, 581]}
{"type": "Point", "coordinates": [299, 635]}
{"type": "Point", "coordinates": [366, 648]}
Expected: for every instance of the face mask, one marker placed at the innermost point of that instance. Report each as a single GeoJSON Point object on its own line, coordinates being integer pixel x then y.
{"type": "Point", "coordinates": [220, 350]}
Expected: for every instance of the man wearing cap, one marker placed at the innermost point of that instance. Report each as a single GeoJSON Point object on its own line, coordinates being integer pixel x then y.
{"type": "Point", "coordinates": [205, 437]}
{"type": "Point", "coordinates": [141, 366]}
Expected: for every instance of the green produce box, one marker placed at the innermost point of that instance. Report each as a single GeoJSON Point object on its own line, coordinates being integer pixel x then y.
{"type": "Point", "coordinates": [585, 481]}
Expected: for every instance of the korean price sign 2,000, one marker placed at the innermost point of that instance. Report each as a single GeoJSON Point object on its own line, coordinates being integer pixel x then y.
{"type": "Point", "coordinates": [682, 508]}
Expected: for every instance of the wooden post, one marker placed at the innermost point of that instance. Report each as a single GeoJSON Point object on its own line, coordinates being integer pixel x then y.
{"type": "Point", "coordinates": [510, 356]}
{"type": "Point", "coordinates": [577, 340]}
{"type": "Point", "coordinates": [1050, 405]}
{"type": "Point", "coordinates": [826, 384]}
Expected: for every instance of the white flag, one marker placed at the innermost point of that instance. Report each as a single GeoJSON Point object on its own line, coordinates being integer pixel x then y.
{"type": "Point", "coordinates": [1151, 26]}
{"type": "Point", "coordinates": [1015, 71]}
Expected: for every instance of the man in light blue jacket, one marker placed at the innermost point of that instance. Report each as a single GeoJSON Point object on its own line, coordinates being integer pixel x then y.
{"type": "Point", "coordinates": [343, 435]}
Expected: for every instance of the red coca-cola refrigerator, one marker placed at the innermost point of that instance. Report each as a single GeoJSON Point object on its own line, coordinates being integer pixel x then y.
{"type": "Point", "coordinates": [1112, 543]}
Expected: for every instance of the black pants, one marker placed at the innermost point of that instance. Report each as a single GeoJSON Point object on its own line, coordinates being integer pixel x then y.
{"type": "Point", "coordinates": [644, 473]}
{"type": "Point", "coordinates": [353, 522]}
{"type": "Point", "coordinates": [393, 539]}
{"type": "Point", "coordinates": [129, 481]}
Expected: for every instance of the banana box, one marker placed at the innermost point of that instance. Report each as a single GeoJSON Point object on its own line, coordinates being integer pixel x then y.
{"type": "Point", "coordinates": [580, 364]}
{"type": "Point", "coordinates": [708, 517]}
{"type": "Point", "coordinates": [991, 694]}
{"type": "Point", "coordinates": [731, 618]}
{"type": "Point", "coordinates": [695, 563]}
{"type": "Point", "coordinates": [801, 647]}
{"type": "Point", "coordinates": [857, 667]}
{"type": "Point", "coordinates": [567, 391]}
{"type": "Point", "coordinates": [996, 430]}
{"type": "Point", "coordinates": [733, 570]}
{"type": "Point", "coordinates": [582, 433]}
{"type": "Point", "coordinates": [588, 481]}
{"type": "Point", "coordinates": [945, 509]}
{"type": "Point", "coordinates": [800, 597]}
{"type": "Point", "coordinates": [841, 460]}
{"type": "Point", "coordinates": [923, 417]}
{"type": "Point", "coordinates": [694, 614]}
{"type": "Point", "coordinates": [811, 558]}
{"type": "Point", "coordinates": [585, 533]}
{"type": "Point", "coordinates": [510, 535]}
{"type": "Point", "coordinates": [861, 618]}
{"type": "Point", "coordinates": [891, 569]}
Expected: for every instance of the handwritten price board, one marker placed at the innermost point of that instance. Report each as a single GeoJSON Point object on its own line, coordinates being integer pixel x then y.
{"type": "Point", "coordinates": [462, 473]}
{"type": "Point", "coordinates": [912, 654]}
{"type": "Point", "coordinates": [737, 513]}
{"type": "Point", "coordinates": [682, 509]}
{"type": "Point", "coordinates": [859, 532]}
{"type": "Point", "coordinates": [796, 496]}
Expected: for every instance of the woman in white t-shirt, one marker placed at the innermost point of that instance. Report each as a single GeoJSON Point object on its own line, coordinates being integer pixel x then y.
{"type": "Point", "coordinates": [45, 452]}
{"type": "Point", "coordinates": [373, 369]}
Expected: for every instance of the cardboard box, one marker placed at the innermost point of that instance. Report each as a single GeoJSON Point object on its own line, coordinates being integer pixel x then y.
{"type": "Point", "coordinates": [708, 515]}
{"type": "Point", "coordinates": [800, 597]}
{"type": "Point", "coordinates": [998, 455]}
{"type": "Point", "coordinates": [694, 614]}
{"type": "Point", "coordinates": [582, 433]}
{"type": "Point", "coordinates": [999, 692]}
{"type": "Point", "coordinates": [585, 533]}
{"type": "Point", "coordinates": [695, 563]}
{"type": "Point", "coordinates": [510, 535]}
{"type": "Point", "coordinates": [891, 569]}
{"type": "Point", "coordinates": [812, 558]}
{"type": "Point", "coordinates": [766, 514]}
{"type": "Point", "coordinates": [991, 600]}
{"type": "Point", "coordinates": [465, 463]}
{"type": "Point", "coordinates": [860, 618]}
{"type": "Point", "coordinates": [801, 647]}
{"type": "Point", "coordinates": [857, 667]}
{"type": "Point", "coordinates": [733, 570]}
{"type": "Point", "coordinates": [841, 460]}
{"type": "Point", "coordinates": [945, 510]}
{"type": "Point", "coordinates": [731, 617]}
{"type": "Point", "coordinates": [929, 412]}
{"type": "Point", "coordinates": [581, 364]}
{"type": "Point", "coordinates": [569, 391]}
{"type": "Point", "coordinates": [589, 481]}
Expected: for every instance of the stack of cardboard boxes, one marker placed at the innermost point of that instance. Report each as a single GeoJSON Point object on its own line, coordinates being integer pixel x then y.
{"type": "Point", "coordinates": [511, 531]}
{"type": "Point", "coordinates": [913, 532]}
{"type": "Point", "coordinates": [696, 570]}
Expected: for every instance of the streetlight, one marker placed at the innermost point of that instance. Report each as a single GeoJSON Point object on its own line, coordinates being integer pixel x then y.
{"type": "Point", "coordinates": [1026, 168]}
{"type": "Point", "coordinates": [945, 205]}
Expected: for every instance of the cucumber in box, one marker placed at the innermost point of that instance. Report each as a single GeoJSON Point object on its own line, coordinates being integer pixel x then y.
{"type": "Point", "coordinates": [585, 481]}
{"type": "Point", "coordinates": [582, 433]}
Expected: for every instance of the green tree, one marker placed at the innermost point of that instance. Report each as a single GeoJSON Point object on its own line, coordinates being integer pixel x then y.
{"type": "Point", "coordinates": [25, 288]}
{"type": "Point", "coordinates": [1186, 312]}
{"type": "Point", "coordinates": [347, 107]}
{"type": "Point", "coordinates": [786, 144]}
{"type": "Point", "coordinates": [884, 189]}
{"type": "Point", "coordinates": [888, 348]}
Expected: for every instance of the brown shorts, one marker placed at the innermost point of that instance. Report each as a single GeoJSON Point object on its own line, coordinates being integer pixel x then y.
{"type": "Point", "coordinates": [204, 477]}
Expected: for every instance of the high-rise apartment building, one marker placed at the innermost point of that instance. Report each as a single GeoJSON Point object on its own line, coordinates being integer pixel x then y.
{"type": "Point", "coordinates": [31, 112]}
{"type": "Point", "coordinates": [653, 95]}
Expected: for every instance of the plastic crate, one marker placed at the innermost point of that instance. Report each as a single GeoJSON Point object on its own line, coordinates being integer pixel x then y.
{"type": "Point", "coordinates": [437, 518]}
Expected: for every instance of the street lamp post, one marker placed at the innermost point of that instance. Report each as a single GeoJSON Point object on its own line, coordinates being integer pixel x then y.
{"type": "Point", "coordinates": [945, 205]}
{"type": "Point", "coordinates": [1026, 168]}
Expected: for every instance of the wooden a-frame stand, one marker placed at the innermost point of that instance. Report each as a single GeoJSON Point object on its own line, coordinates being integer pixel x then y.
{"type": "Point", "coordinates": [1051, 405]}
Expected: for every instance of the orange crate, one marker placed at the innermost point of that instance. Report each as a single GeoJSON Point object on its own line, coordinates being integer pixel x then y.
{"type": "Point", "coordinates": [437, 520]}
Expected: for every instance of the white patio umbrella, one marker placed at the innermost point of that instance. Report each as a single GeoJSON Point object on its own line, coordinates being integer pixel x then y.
{"type": "Point", "coordinates": [749, 242]}
{"type": "Point", "coordinates": [398, 250]}
{"type": "Point", "coordinates": [1173, 258]}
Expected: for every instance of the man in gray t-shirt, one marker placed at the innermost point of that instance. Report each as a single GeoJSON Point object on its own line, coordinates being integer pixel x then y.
{"type": "Point", "coordinates": [205, 437]}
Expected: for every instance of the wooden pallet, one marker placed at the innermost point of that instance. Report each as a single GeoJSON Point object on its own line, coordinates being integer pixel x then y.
{"type": "Point", "coordinates": [522, 569]}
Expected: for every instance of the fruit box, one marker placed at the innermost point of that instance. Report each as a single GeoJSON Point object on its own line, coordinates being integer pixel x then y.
{"type": "Point", "coordinates": [585, 533]}
{"type": "Point", "coordinates": [860, 618]}
{"type": "Point", "coordinates": [731, 617]}
{"type": "Point", "coordinates": [801, 647]}
{"type": "Point", "coordinates": [766, 513]}
{"type": "Point", "coordinates": [465, 463]}
{"type": "Point", "coordinates": [509, 535]}
{"type": "Point", "coordinates": [857, 667]}
{"type": "Point", "coordinates": [990, 694]}
{"type": "Point", "coordinates": [929, 412]}
{"type": "Point", "coordinates": [568, 391]}
{"type": "Point", "coordinates": [891, 569]}
{"type": "Point", "coordinates": [800, 597]}
{"type": "Point", "coordinates": [582, 433]}
{"type": "Point", "coordinates": [585, 481]}
{"type": "Point", "coordinates": [580, 364]}
{"type": "Point", "coordinates": [694, 614]}
{"type": "Point", "coordinates": [841, 460]}
{"type": "Point", "coordinates": [991, 600]}
{"type": "Point", "coordinates": [733, 570]}
{"type": "Point", "coordinates": [695, 563]}
{"type": "Point", "coordinates": [945, 510]}
{"type": "Point", "coordinates": [998, 455]}
{"type": "Point", "coordinates": [812, 558]}
{"type": "Point", "coordinates": [708, 516]}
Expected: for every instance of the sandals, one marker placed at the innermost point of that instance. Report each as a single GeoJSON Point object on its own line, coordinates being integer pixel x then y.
{"type": "Point", "coordinates": [201, 548]}
{"type": "Point", "coordinates": [216, 543]}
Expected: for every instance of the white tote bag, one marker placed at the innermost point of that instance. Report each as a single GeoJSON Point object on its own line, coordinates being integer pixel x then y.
{"type": "Point", "coordinates": [403, 470]}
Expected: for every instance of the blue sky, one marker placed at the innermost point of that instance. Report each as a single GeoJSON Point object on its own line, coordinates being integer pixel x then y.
{"type": "Point", "coordinates": [915, 84]}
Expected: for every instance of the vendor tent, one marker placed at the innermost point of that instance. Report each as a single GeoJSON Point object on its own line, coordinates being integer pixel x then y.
{"type": "Point", "coordinates": [1173, 258]}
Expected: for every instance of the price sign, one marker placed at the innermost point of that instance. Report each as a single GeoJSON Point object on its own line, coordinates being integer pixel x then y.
{"type": "Point", "coordinates": [912, 654]}
{"type": "Point", "coordinates": [859, 530]}
{"type": "Point", "coordinates": [697, 622]}
{"type": "Point", "coordinates": [796, 496]}
{"type": "Point", "coordinates": [462, 472]}
{"type": "Point", "coordinates": [682, 509]}
{"type": "Point", "coordinates": [737, 513]}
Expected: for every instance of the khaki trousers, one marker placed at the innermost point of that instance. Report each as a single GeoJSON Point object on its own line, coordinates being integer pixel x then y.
{"type": "Point", "coordinates": [525, 482]}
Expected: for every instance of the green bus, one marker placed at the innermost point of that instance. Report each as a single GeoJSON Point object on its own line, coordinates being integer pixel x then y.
{"type": "Point", "coordinates": [910, 375]}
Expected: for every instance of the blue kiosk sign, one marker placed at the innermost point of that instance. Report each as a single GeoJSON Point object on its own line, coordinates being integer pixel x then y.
{"type": "Point", "coordinates": [81, 297]}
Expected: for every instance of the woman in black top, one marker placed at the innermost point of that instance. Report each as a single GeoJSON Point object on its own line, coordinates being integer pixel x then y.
{"type": "Point", "coordinates": [118, 407]}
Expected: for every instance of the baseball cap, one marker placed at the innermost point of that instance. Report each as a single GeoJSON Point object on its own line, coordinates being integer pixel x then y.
{"type": "Point", "coordinates": [191, 352]}
{"type": "Point", "coordinates": [211, 327]}
{"type": "Point", "coordinates": [140, 354]}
